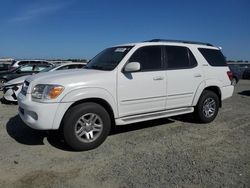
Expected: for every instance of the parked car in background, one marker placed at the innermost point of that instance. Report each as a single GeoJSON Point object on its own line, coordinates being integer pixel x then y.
{"type": "Point", "coordinates": [4, 66]}
{"type": "Point", "coordinates": [237, 74]}
{"type": "Point", "coordinates": [246, 74]}
{"type": "Point", "coordinates": [16, 64]}
{"type": "Point", "coordinates": [13, 87]}
{"type": "Point", "coordinates": [5, 76]}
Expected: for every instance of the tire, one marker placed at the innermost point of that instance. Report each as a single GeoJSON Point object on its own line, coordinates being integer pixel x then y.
{"type": "Point", "coordinates": [80, 121]}
{"type": "Point", "coordinates": [207, 108]}
{"type": "Point", "coordinates": [234, 81]}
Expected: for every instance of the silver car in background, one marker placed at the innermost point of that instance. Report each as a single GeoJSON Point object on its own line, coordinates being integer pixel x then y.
{"type": "Point", "coordinates": [13, 87]}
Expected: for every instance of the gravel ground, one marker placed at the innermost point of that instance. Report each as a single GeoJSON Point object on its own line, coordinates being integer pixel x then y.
{"type": "Point", "coordinates": [170, 152]}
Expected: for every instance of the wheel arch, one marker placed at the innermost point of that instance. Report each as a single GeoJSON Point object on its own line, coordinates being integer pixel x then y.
{"type": "Point", "coordinates": [99, 101]}
{"type": "Point", "coordinates": [96, 100]}
{"type": "Point", "coordinates": [213, 87]}
{"type": "Point", "coordinates": [217, 91]}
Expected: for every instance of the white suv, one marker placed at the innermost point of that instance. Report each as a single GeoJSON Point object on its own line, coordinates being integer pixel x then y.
{"type": "Point", "coordinates": [127, 84]}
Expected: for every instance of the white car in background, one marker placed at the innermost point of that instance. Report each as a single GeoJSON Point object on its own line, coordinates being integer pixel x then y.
{"type": "Point", "coordinates": [13, 87]}
{"type": "Point", "coordinates": [16, 64]}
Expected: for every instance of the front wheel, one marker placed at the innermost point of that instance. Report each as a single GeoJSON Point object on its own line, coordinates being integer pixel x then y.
{"type": "Point", "coordinates": [207, 107]}
{"type": "Point", "coordinates": [86, 126]}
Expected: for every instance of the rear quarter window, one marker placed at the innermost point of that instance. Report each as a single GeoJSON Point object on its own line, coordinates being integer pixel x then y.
{"type": "Point", "coordinates": [214, 57]}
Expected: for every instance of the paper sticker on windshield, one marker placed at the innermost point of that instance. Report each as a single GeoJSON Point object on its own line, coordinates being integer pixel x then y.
{"type": "Point", "coordinates": [120, 49]}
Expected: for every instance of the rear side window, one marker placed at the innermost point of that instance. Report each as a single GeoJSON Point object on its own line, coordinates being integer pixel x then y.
{"type": "Point", "coordinates": [149, 57]}
{"type": "Point", "coordinates": [23, 63]}
{"type": "Point", "coordinates": [81, 66]}
{"type": "Point", "coordinates": [213, 57]}
{"type": "Point", "coordinates": [38, 62]}
{"type": "Point", "coordinates": [34, 62]}
{"type": "Point", "coordinates": [63, 67]}
{"type": "Point", "coordinates": [44, 62]}
{"type": "Point", "coordinates": [179, 57]}
{"type": "Point", "coordinates": [74, 66]}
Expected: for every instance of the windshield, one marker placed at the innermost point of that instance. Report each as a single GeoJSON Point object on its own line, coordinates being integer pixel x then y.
{"type": "Point", "coordinates": [109, 58]}
{"type": "Point", "coordinates": [18, 68]}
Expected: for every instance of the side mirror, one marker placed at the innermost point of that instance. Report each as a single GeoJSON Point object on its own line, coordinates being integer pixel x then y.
{"type": "Point", "coordinates": [132, 67]}
{"type": "Point", "coordinates": [18, 71]}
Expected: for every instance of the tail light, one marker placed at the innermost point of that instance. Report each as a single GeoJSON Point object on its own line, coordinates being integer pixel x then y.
{"type": "Point", "coordinates": [230, 75]}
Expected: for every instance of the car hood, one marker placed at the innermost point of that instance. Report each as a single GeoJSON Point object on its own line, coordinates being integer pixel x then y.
{"type": "Point", "coordinates": [19, 80]}
{"type": "Point", "coordinates": [70, 78]}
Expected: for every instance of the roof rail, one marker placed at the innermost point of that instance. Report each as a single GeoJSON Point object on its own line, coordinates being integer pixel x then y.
{"type": "Point", "coordinates": [179, 41]}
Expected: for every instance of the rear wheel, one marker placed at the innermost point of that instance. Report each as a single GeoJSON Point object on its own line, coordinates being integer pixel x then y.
{"type": "Point", "coordinates": [207, 107]}
{"type": "Point", "coordinates": [86, 126]}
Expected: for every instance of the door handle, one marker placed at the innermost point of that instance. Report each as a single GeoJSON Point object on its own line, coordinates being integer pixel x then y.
{"type": "Point", "coordinates": [197, 75]}
{"type": "Point", "coordinates": [158, 78]}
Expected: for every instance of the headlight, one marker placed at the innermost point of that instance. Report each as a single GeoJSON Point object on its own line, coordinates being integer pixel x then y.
{"type": "Point", "coordinates": [46, 92]}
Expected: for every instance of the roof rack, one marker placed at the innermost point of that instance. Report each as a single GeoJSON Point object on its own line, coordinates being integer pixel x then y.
{"type": "Point", "coordinates": [179, 41]}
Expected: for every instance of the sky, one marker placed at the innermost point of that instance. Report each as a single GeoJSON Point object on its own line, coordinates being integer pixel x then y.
{"type": "Point", "coordinates": [51, 29]}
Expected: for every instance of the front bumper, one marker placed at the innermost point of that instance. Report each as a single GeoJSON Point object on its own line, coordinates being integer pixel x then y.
{"type": "Point", "coordinates": [41, 116]}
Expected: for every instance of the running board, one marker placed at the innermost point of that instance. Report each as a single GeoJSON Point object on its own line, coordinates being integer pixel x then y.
{"type": "Point", "coordinates": [153, 115]}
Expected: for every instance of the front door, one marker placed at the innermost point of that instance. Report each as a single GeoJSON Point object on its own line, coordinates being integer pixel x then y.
{"type": "Point", "coordinates": [143, 91]}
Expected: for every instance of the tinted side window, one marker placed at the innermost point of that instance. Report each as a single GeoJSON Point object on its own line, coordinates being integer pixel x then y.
{"type": "Point", "coordinates": [149, 57]}
{"type": "Point", "coordinates": [213, 57]}
{"type": "Point", "coordinates": [178, 57]}
{"type": "Point", "coordinates": [63, 67]}
{"type": "Point", "coordinates": [23, 63]}
{"type": "Point", "coordinates": [34, 62]}
{"type": "Point", "coordinates": [80, 66]}
{"type": "Point", "coordinates": [73, 66]}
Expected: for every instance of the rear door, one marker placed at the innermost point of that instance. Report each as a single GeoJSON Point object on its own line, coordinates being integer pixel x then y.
{"type": "Point", "coordinates": [143, 91]}
{"type": "Point", "coordinates": [183, 76]}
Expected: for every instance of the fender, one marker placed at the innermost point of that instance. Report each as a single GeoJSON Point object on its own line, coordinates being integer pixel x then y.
{"type": "Point", "coordinates": [91, 92]}
{"type": "Point", "coordinates": [202, 86]}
